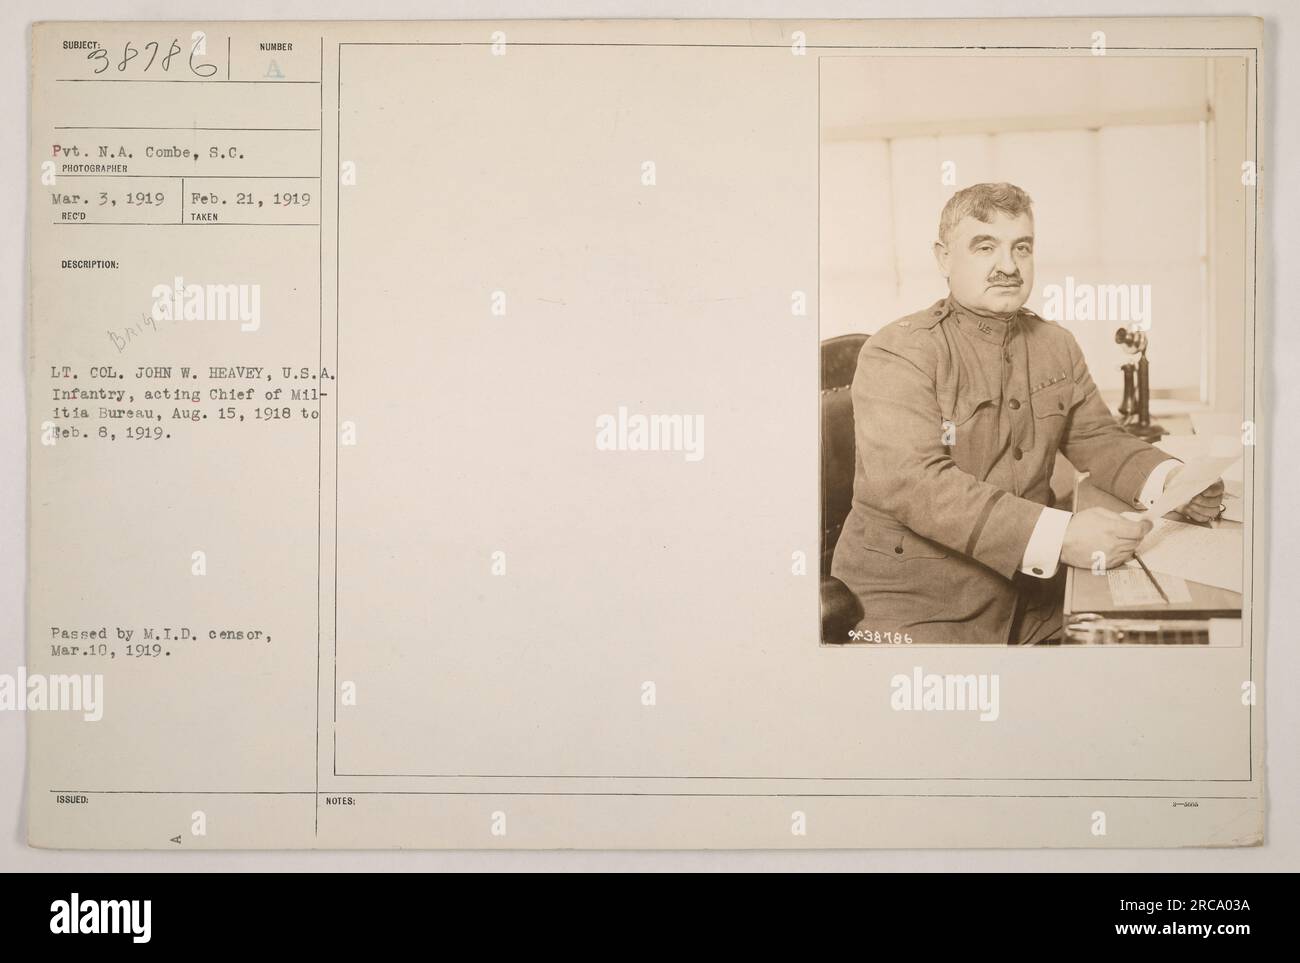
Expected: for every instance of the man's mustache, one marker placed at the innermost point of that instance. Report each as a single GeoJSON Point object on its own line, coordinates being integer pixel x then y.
{"type": "Point", "coordinates": [1006, 279]}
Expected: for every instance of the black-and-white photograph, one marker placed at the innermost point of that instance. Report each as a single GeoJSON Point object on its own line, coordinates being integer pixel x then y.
{"type": "Point", "coordinates": [1034, 420]}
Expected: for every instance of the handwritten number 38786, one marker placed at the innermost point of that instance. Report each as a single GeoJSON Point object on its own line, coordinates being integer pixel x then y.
{"type": "Point", "coordinates": [150, 51]}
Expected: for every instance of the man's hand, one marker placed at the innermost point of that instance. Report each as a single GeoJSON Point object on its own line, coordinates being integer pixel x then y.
{"type": "Point", "coordinates": [1204, 506]}
{"type": "Point", "coordinates": [1101, 530]}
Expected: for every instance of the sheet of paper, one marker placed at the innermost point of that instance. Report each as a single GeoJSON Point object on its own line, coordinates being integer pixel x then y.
{"type": "Point", "coordinates": [1129, 585]}
{"type": "Point", "coordinates": [1191, 448]}
{"type": "Point", "coordinates": [1192, 479]}
{"type": "Point", "coordinates": [423, 447]}
{"type": "Point", "coordinates": [1211, 556]}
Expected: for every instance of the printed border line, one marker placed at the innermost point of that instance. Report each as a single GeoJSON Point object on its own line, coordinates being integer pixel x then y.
{"type": "Point", "coordinates": [1251, 310]}
{"type": "Point", "coordinates": [1085, 50]}
{"type": "Point", "coordinates": [463, 775]}
{"type": "Point", "coordinates": [703, 795]}
{"type": "Point", "coordinates": [338, 388]}
{"type": "Point", "coordinates": [141, 80]}
{"type": "Point", "coordinates": [1254, 65]}
{"type": "Point", "coordinates": [320, 423]}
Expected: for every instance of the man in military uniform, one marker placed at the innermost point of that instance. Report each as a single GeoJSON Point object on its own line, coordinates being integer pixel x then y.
{"type": "Point", "coordinates": [960, 411]}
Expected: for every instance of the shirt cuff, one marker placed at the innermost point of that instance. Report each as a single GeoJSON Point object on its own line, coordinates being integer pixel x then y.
{"type": "Point", "coordinates": [1155, 483]}
{"type": "Point", "coordinates": [1043, 553]}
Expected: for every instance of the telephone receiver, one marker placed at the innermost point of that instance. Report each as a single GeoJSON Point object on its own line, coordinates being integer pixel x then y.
{"type": "Point", "coordinates": [1135, 408]}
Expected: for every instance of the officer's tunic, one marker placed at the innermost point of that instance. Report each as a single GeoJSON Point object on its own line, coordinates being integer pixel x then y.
{"type": "Point", "coordinates": [958, 419]}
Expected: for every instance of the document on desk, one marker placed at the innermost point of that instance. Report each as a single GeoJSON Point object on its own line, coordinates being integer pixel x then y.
{"type": "Point", "coordinates": [424, 448]}
{"type": "Point", "coordinates": [1209, 555]}
{"type": "Point", "coordinates": [1130, 586]}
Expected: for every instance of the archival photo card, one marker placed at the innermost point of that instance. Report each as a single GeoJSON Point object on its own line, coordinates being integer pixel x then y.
{"type": "Point", "coordinates": [424, 454]}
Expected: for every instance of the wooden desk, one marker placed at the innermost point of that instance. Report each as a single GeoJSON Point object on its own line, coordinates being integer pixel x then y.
{"type": "Point", "coordinates": [1088, 603]}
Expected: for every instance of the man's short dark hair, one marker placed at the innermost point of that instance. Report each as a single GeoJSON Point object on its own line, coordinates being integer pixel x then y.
{"type": "Point", "coordinates": [980, 201]}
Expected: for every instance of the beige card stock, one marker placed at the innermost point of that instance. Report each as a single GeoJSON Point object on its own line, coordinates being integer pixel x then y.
{"type": "Point", "coordinates": [425, 433]}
